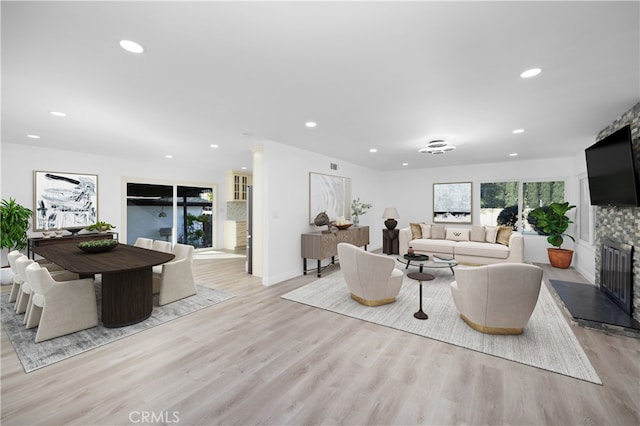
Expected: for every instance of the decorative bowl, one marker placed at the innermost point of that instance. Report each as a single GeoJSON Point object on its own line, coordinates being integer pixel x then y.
{"type": "Point", "coordinates": [98, 246]}
{"type": "Point", "coordinates": [75, 229]}
{"type": "Point", "coordinates": [343, 227]}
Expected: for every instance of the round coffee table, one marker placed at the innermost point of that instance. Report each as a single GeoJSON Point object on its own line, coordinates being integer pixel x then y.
{"type": "Point", "coordinates": [423, 261]}
{"type": "Point", "coordinates": [420, 277]}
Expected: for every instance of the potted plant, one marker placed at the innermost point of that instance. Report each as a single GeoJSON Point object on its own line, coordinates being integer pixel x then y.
{"type": "Point", "coordinates": [553, 222]}
{"type": "Point", "coordinates": [100, 227]}
{"type": "Point", "coordinates": [14, 222]}
{"type": "Point", "coordinates": [358, 208]}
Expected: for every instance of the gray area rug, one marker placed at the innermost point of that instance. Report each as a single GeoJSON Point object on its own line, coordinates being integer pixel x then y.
{"type": "Point", "coordinates": [37, 355]}
{"type": "Point", "coordinates": [547, 341]}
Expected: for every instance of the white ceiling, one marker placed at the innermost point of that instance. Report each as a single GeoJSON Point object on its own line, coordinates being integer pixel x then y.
{"type": "Point", "coordinates": [383, 75]}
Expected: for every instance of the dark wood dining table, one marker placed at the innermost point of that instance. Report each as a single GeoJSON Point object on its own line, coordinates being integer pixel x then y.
{"type": "Point", "coordinates": [127, 277]}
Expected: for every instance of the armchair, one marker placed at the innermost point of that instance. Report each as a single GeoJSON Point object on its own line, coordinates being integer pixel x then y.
{"type": "Point", "coordinates": [371, 278]}
{"type": "Point", "coordinates": [175, 280]}
{"type": "Point", "coordinates": [498, 298]}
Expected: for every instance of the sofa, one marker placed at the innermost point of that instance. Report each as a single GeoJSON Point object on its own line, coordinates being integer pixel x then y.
{"type": "Point", "coordinates": [475, 245]}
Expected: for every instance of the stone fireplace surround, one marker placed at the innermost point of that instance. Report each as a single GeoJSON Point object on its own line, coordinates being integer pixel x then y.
{"type": "Point", "coordinates": [622, 224]}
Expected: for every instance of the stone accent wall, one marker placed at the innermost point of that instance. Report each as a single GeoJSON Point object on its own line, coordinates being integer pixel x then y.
{"type": "Point", "coordinates": [622, 224]}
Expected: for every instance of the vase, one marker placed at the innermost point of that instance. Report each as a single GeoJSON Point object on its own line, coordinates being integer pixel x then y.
{"type": "Point", "coordinates": [356, 221]}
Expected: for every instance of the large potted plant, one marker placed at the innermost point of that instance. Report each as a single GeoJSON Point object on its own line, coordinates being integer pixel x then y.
{"type": "Point", "coordinates": [14, 222]}
{"type": "Point", "coordinates": [553, 222]}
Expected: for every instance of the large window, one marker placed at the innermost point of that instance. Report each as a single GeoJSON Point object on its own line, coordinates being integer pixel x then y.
{"type": "Point", "coordinates": [499, 204]}
{"type": "Point", "coordinates": [502, 204]}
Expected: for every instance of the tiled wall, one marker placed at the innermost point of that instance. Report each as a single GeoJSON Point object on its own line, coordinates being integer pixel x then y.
{"type": "Point", "coordinates": [622, 224]}
{"type": "Point", "coordinates": [237, 210]}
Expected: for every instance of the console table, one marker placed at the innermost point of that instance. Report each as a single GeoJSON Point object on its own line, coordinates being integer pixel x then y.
{"type": "Point", "coordinates": [34, 242]}
{"type": "Point", "coordinates": [324, 245]}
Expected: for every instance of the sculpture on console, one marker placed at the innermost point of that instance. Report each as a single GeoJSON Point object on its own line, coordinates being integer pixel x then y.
{"type": "Point", "coordinates": [323, 219]}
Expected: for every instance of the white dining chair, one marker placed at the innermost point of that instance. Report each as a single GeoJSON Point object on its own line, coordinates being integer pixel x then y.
{"type": "Point", "coordinates": [16, 281]}
{"type": "Point", "coordinates": [142, 242]}
{"type": "Point", "coordinates": [175, 280]}
{"type": "Point", "coordinates": [60, 307]}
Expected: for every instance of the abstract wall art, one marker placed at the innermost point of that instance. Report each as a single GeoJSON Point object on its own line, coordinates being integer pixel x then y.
{"type": "Point", "coordinates": [64, 200]}
{"type": "Point", "coordinates": [452, 202]}
{"type": "Point", "coordinates": [330, 194]}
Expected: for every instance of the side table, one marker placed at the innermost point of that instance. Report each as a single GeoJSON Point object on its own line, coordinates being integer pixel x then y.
{"type": "Point", "coordinates": [390, 241]}
{"type": "Point", "coordinates": [420, 277]}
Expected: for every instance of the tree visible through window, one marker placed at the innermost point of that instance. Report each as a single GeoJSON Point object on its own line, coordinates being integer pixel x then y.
{"type": "Point", "coordinates": [499, 204]}
{"type": "Point", "coordinates": [539, 194]}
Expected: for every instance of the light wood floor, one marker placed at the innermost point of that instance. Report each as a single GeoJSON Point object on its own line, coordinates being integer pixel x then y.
{"type": "Point", "coordinates": [260, 359]}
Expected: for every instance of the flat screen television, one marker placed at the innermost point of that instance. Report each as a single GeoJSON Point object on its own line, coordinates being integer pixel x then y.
{"type": "Point", "coordinates": [611, 171]}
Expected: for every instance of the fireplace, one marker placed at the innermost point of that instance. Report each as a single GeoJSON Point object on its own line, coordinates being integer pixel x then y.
{"type": "Point", "coordinates": [616, 273]}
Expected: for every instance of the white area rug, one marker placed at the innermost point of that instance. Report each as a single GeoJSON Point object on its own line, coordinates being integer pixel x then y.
{"type": "Point", "coordinates": [547, 341]}
{"type": "Point", "coordinates": [37, 355]}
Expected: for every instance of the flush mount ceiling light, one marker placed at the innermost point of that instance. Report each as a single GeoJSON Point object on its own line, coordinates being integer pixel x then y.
{"type": "Point", "coordinates": [530, 73]}
{"type": "Point", "coordinates": [437, 146]}
{"type": "Point", "coordinates": [131, 46]}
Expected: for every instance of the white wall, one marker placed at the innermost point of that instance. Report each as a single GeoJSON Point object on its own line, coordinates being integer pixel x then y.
{"type": "Point", "coordinates": [286, 205]}
{"type": "Point", "coordinates": [19, 162]}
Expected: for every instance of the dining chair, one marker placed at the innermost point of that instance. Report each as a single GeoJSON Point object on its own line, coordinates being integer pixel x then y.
{"type": "Point", "coordinates": [159, 245]}
{"type": "Point", "coordinates": [142, 242]}
{"type": "Point", "coordinates": [16, 281]}
{"type": "Point", "coordinates": [60, 307]}
{"type": "Point", "coordinates": [175, 280]}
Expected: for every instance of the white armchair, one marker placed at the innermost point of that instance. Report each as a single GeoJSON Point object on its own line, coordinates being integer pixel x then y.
{"type": "Point", "coordinates": [372, 278]}
{"type": "Point", "coordinates": [499, 298]}
{"type": "Point", "coordinates": [61, 307]}
{"type": "Point", "coordinates": [175, 281]}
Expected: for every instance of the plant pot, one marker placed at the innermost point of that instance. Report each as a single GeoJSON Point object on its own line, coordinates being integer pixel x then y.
{"type": "Point", "coordinates": [560, 258]}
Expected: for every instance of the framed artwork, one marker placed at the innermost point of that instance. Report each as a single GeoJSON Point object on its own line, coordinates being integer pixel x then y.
{"type": "Point", "coordinates": [64, 200]}
{"type": "Point", "coordinates": [452, 202]}
{"type": "Point", "coordinates": [330, 194]}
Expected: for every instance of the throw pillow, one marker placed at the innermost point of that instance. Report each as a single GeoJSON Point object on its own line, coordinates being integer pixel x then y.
{"type": "Point", "coordinates": [504, 233]}
{"type": "Point", "coordinates": [477, 234]}
{"type": "Point", "coordinates": [457, 234]}
{"type": "Point", "coordinates": [437, 232]}
{"type": "Point", "coordinates": [426, 230]}
{"type": "Point", "coordinates": [491, 234]}
{"type": "Point", "coordinates": [416, 231]}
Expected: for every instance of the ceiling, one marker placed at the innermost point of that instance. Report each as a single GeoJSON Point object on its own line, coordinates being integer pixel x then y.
{"type": "Point", "coordinates": [384, 75]}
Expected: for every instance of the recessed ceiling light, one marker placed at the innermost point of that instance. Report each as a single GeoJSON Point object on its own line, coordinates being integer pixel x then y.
{"type": "Point", "coordinates": [243, 168]}
{"type": "Point", "coordinates": [58, 113]}
{"type": "Point", "coordinates": [405, 164]}
{"type": "Point", "coordinates": [33, 136]}
{"type": "Point", "coordinates": [168, 156]}
{"type": "Point", "coordinates": [513, 154]}
{"type": "Point", "coordinates": [530, 73]}
{"type": "Point", "coordinates": [310, 124]}
{"type": "Point", "coordinates": [516, 131]}
{"type": "Point", "coordinates": [213, 145]}
{"type": "Point", "coordinates": [131, 46]}
{"type": "Point", "coordinates": [373, 150]}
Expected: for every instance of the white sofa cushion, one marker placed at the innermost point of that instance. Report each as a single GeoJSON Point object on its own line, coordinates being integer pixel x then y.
{"type": "Point", "coordinates": [433, 246]}
{"type": "Point", "coordinates": [472, 248]}
{"type": "Point", "coordinates": [426, 230]}
{"type": "Point", "coordinates": [457, 234]}
{"type": "Point", "coordinates": [491, 234]}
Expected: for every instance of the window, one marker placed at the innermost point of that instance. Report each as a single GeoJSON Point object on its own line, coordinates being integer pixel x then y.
{"type": "Point", "coordinates": [500, 201]}
{"type": "Point", "coordinates": [499, 204]}
{"type": "Point", "coordinates": [539, 194]}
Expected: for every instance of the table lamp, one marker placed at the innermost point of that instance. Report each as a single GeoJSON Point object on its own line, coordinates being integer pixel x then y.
{"type": "Point", "coordinates": [391, 214]}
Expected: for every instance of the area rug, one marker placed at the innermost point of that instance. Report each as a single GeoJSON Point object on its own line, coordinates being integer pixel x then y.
{"type": "Point", "coordinates": [547, 341]}
{"type": "Point", "coordinates": [37, 355]}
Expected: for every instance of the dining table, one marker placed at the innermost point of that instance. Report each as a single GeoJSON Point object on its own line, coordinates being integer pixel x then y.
{"type": "Point", "coordinates": [127, 277]}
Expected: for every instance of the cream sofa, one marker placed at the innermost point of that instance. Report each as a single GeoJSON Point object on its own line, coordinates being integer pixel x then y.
{"type": "Point", "coordinates": [465, 244]}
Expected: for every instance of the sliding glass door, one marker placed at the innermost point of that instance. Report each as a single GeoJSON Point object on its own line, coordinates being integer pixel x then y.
{"type": "Point", "coordinates": [175, 213]}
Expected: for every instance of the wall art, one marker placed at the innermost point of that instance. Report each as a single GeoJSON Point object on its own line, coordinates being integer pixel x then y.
{"type": "Point", "coordinates": [452, 202]}
{"type": "Point", "coordinates": [64, 200]}
{"type": "Point", "coordinates": [330, 194]}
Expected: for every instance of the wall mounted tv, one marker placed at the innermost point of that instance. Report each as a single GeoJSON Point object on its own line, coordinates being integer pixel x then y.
{"type": "Point", "coordinates": [611, 171]}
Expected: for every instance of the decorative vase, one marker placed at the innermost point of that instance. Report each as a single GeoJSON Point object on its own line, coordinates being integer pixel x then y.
{"type": "Point", "coordinates": [560, 258]}
{"type": "Point", "coordinates": [356, 221]}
